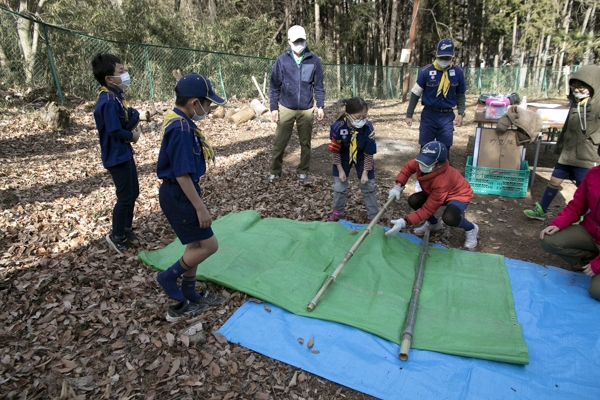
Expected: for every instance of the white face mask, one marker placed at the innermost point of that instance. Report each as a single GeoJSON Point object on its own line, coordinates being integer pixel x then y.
{"type": "Point", "coordinates": [581, 96]}
{"type": "Point", "coordinates": [125, 81]}
{"type": "Point", "coordinates": [298, 47]}
{"type": "Point", "coordinates": [359, 123]}
{"type": "Point", "coordinates": [425, 169]}
{"type": "Point", "coordinates": [443, 63]}
{"type": "Point", "coordinates": [197, 117]}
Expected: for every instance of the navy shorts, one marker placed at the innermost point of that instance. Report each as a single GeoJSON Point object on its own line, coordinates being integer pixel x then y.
{"type": "Point", "coordinates": [181, 214]}
{"type": "Point", "coordinates": [436, 126]}
{"type": "Point", "coordinates": [576, 174]}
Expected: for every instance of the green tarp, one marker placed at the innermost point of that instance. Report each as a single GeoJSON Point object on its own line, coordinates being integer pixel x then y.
{"type": "Point", "coordinates": [465, 307]}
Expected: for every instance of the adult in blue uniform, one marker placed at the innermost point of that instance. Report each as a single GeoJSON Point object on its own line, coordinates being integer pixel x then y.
{"type": "Point", "coordinates": [182, 159]}
{"type": "Point", "coordinates": [441, 87]}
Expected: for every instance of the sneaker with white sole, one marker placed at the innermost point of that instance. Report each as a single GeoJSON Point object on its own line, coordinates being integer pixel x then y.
{"type": "Point", "coordinates": [471, 237]}
{"type": "Point", "coordinates": [420, 231]}
{"type": "Point", "coordinates": [302, 177]}
{"type": "Point", "coordinates": [184, 309]}
{"type": "Point", "coordinates": [273, 177]}
{"type": "Point", "coordinates": [120, 245]}
{"type": "Point", "coordinates": [209, 300]}
{"type": "Point", "coordinates": [536, 212]}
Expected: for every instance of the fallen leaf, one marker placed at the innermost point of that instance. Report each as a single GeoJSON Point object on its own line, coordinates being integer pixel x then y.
{"type": "Point", "coordinates": [315, 351]}
{"type": "Point", "coordinates": [267, 308]}
{"type": "Point", "coordinates": [353, 232]}
{"type": "Point", "coordinates": [311, 342]}
{"type": "Point", "coordinates": [214, 369]}
{"type": "Point", "coordinates": [220, 338]}
{"type": "Point", "coordinates": [300, 340]}
{"type": "Point", "coordinates": [294, 380]}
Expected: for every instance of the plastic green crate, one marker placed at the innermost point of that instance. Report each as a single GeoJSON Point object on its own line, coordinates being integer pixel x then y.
{"type": "Point", "coordinates": [502, 182]}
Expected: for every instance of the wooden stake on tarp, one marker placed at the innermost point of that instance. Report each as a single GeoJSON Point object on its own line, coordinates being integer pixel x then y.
{"type": "Point", "coordinates": [411, 316]}
{"type": "Point", "coordinates": [349, 255]}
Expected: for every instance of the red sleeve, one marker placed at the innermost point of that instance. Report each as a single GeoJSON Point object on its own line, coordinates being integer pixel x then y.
{"type": "Point", "coordinates": [575, 208]}
{"type": "Point", "coordinates": [407, 170]}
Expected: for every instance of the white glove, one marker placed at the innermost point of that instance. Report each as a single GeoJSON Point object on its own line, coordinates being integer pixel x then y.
{"type": "Point", "coordinates": [396, 191]}
{"type": "Point", "coordinates": [398, 225]}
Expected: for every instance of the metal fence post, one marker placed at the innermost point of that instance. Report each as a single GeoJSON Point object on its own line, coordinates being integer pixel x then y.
{"type": "Point", "coordinates": [515, 86]}
{"type": "Point", "coordinates": [148, 73]}
{"type": "Point", "coordinates": [221, 77]}
{"type": "Point", "coordinates": [353, 80]}
{"type": "Point", "coordinates": [52, 66]}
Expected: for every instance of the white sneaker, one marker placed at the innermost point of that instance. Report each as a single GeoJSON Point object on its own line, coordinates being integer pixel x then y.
{"type": "Point", "coordinates": [417, 190]}
{"type": "Point", "coordinates": [471, 237]}
{"type": "Point", "coordinates": [420, 231]}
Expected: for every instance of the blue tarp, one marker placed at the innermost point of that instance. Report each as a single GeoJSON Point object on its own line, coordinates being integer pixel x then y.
{"type": "Point", "coordinates": [560, 323]}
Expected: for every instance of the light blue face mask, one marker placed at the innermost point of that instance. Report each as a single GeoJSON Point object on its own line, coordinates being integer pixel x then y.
{"type": "Point", "coordinates": [197, 117]}
{"type": "Point", "coordinates": [425, 169]}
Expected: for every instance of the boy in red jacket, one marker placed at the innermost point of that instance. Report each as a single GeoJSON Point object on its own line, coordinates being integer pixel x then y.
{"type": "Point", "coordinates": [579, 245]}
{"type": "Point", "coordinates": [442, 185]}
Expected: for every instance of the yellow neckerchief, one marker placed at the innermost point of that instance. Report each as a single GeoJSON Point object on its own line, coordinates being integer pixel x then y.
{"type": "Point", "coordinates": [104, 89]}
{"type": "Point", "coordinates": [171, 116]}
{"type": "Point", "coordinates": [445, 81]}
{"type": "Point", "coordinates": [353, 142]}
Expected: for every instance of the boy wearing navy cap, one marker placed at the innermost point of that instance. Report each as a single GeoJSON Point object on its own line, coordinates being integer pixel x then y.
{"type": "Point", "coordinates": [116, 123]}
{"type": "Point", "coordinates": [182, 159]}
{"type": "Point", "coordinates": [441, 87]}
{"type": "Point", "coordinates": [442, 185]}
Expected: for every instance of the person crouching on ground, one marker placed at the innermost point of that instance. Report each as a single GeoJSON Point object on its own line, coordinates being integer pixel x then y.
{"type": "Point", "coordinates": [352, 144]}
{"type": "Point", "coordinates": [579, 244]}
{"type": "Point", "coordinates": [442, 185]}
{"type": "Point", "coordinates": [182, 159]}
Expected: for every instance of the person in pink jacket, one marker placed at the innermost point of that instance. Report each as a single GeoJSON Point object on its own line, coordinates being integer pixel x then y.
{"type": "Point", "coordinates": [579, 244]}
{"type": "Point", "coordinates": [442, 185]}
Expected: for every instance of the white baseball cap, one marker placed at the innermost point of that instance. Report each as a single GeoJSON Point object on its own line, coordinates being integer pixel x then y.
{"type": "Point", "coordinates": [296, 32]}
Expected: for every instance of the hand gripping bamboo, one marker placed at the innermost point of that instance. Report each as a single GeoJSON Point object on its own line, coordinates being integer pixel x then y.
{"type": "Point", "coordinates": [411, 316]}
{"type": "Point", "coordinates": [349, 255]}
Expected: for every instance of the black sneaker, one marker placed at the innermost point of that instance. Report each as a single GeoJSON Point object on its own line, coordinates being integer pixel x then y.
{"type": "Point", "coordinates": [120, 245]}
{"type": "Point", "coordinates": [209, 300]}
{"type": "Point", "coordinates": [184, 309]}
{"type": "Point", "coordinates": [131, 237]}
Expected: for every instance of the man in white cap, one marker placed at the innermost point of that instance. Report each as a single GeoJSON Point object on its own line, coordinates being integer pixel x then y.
{"type": "Point", "coordinates": [296, 83]}
{"type": "Point", "coordinates": [441, 87]}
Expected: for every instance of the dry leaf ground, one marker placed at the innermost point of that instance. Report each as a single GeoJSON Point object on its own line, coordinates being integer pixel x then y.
{"type": "Point", "coordinates": [79, 321]}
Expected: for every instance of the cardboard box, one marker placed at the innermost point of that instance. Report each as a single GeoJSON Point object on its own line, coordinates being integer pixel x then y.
{"type": "Point", "coordinates": [497, 151]}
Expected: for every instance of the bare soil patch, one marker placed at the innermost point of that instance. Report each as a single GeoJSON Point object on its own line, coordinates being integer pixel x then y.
{"type": "Point", "coordinates": [82, 322]}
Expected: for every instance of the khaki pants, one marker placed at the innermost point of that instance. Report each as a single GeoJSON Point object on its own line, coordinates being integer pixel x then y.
{"type": "Point", "coordinates": [574, 244]}
{"type": "Point", "coordinates": [304, 123]}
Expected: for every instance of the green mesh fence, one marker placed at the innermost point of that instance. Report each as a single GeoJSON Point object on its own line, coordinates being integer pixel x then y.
{"type": "Point", "coordinates": [62, 63]}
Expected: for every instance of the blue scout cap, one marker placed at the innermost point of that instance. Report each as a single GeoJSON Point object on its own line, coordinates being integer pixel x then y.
{"type": "Point", "coordinates": [195, 85]}
{"type": "Point", "coordinates": [445, 47]}
{"type": "Point", "coordinates": [431, 153]}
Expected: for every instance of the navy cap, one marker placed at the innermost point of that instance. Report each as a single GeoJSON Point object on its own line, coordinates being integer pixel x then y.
{"type": "Point", "coordinates": [445, 47]}
{"type": "Point", "coordinates": [431, 153]}
{"type": "Point", "coordinates": [195, 85]}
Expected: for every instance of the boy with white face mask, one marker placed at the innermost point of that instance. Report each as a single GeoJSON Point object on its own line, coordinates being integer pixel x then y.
{"type": "Point", "coordinates": [442, 185]}
{"type": "Point", "coordinates": [116, 124]}
{"type": "Point", "coordinates": [441, 87]}
{"type": "Point", "coordinates": [353, 145]}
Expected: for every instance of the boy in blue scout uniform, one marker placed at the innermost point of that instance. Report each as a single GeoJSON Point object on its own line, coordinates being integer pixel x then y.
{"type": "Point", "coordinates": [352, 144]}
{"type": "Point", "coordinates": [182, 159]}
{"type": "Point", "coordinates": [116, 123]}
{"type": "Point", "coordinates": [442, 87]}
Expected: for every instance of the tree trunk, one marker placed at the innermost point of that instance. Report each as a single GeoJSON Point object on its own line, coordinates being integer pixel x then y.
{"type": "Point", "coordinates": [513, 53]}
{"type": "Point", "coordinates": [393, 30]}
{"type": "Point", "coordinates": [317, 21]}
{"type": "Point", "coordinates": [566, 20]}
{"type": "Point", "coordinates": [409, 46]}
{"type": "Point", "coordinates": [176, 5]}
{"type": "Point", "coordinates": [28, 37]}
{"type": "Point", "coordinates": [212, 11]}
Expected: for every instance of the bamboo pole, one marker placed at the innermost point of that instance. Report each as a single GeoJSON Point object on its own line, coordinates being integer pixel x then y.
{"type": "Point", "coordinates": [259, 91]}
{"type": "Point", "coordinates": [411, 316]}
{"type": "Point", "coordinates": [349, 255]}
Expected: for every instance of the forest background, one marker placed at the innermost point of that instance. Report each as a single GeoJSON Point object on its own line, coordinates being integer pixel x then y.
{"type": "Point", "coordinates": [487, 33]}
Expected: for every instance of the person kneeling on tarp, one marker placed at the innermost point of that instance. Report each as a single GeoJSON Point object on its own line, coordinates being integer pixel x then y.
{"type": "Point", "coordinates": [579, 244]}
{"type": "Point", "coordinates": [442, 185]}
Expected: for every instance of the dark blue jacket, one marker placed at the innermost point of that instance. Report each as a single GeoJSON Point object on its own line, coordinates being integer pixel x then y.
{"type": "Point", "coordinates": [109, 115]}
{"type": "Point", "coordinates": [293, 85]}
